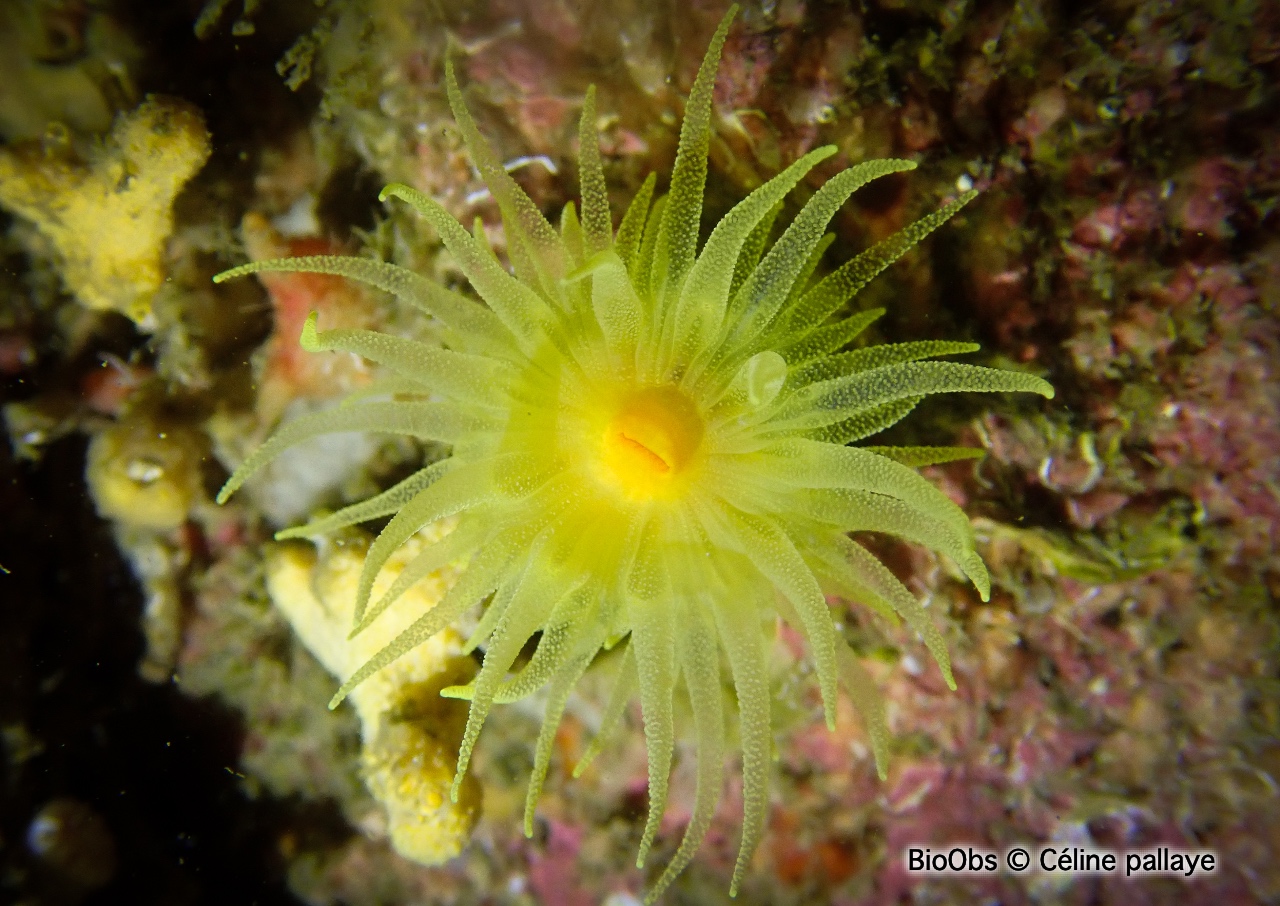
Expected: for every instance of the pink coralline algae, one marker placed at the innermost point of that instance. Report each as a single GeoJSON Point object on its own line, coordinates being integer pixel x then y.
{"type": "Point", "coordinates": [1120, 223]}
{"type": "Point", "coordinates": [553, 872]}
{"type": "Point", "coordinates": [1117, 690]}
{"type": "Point", "coordinates": [1208, 196]}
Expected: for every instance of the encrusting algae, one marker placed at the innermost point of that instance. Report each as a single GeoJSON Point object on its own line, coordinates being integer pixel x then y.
{"type": "Point", "coordinates": [649, 450]}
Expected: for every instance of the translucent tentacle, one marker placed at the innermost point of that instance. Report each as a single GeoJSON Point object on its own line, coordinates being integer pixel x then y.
{"type": "Point", "coordinates": [681, 219]}
{"type": "Point", "coordinates": [829, 338]}
{"type": "Point", "coordinates": [523, 220]}
{"type": "Point", "coordinates": [631, 230]}
{"type": "Point", "coordinates": [561, 686]}
{"type": "Point", "coordinates": [454, 492]}
{"type": "Point", "coordinates": [525, 313]}
{"type": "Point", "coordinates": [642, 269]}
{"type": "Point", "coordinates": [869, 357]}
{"type": "Point", "coordinates": [700, 664]}
{"type": "Point", "coordinates": [561, 637]}
{"type": "Point", "coordinates": [485, 626]}
{"type": "Point", "coordinates": [429, 421]}
{"type": "Point", "coordinates": [384, 504]}
{"type": "Point", "coordinates": [464, 316]}
{"type": "Point", "coordinates": [624, 687]}
{"type": "Point", "coordinates": [772, 552]}
{"type": "Point", "coordinates": [700, 311]}
{"type": "Point", "coordinates": [653, 640]}
{"type": "Point", "coordinates": [460, 543]}
{"type": "Point", "coordinates": [862, 511]}
{"type": "Point", "coordinates": [830, 401]}
{"type": "Point", "coordinates": [867, 575]}
{"type": "Point", "coordinates": [744, 642]}
{"type": "Point", "coordinates": [811, 464]}
{"type": "Point", "coordinates": [618, 310]}
{"type": "Point", "coordinates": [805, 275]}
{"type": "Point", "coordinates": [534, 601]}
{"type": "Point", "coordinates": [597, 223]}
{"type": "Point", "coordinates": [571, 235]}
{"type": "Point", "coordinates": [392, 385]}
{"type": "Point", "coordinates": [865, 424]}
{"type": "Point", "coordinates": [753, 249]}
{"type": "Point", "coordinates": [870, 704]}
{"type": "Point", "coordinates": [477, 580]}
{"type": "Point", "coordinates": [769, 285]}
{"type": "Point", "coordinates": [843, 283]}
{"type": "Point", "coordinates": [468, 378]}
{"type": "Point", "coordinates": [916, 457]}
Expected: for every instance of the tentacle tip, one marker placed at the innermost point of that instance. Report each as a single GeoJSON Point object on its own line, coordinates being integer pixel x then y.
{"type": "Point", "coordinates": [225, 494]}
{"type": "Point", "coordinates": [462, 692]}
{"type": "Point", "coordinates": [338, 698]}
{"type": "Point", "coordinates": [359, 622]}
{"type": "Point", "coordinates": [391, 190]}
{"type": "Point", "coordinates": [309, 340]}
{"type": "Point", "coordinates": [951, 680]}
{"type": "Point", "coordinates": [226, 275]}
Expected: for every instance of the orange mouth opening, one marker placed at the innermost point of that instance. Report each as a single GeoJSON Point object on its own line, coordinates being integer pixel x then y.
{"type": "Point", "coordinates": [651, 440]}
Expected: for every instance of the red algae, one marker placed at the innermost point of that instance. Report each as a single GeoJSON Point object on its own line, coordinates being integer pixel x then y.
{"type": "Point", "coordinates": [1114, 692]}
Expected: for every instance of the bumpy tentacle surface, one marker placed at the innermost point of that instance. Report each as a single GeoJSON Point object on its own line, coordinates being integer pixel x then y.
{"type": "Point", "coordinates": [649, 451]}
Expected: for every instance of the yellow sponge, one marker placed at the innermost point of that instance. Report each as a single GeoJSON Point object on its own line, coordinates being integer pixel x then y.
{"type": "Point", "coordinates": [108, 218]}
{"type": "Point", "coordinates": [410, 733]}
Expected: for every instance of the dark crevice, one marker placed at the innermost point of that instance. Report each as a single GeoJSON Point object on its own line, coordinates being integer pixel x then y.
{"type": "Point", "coordinates": [155, 766]}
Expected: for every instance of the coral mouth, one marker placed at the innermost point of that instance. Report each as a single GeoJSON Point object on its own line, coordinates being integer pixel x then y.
{"type": "Point", "coordinates": [651, 440]}
{"type": "Point", "coordinates": [647, 456]}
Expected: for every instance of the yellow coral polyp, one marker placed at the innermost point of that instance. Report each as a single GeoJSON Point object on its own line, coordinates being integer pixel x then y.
{"type": "Point", "coordinates": [144, 476]}
{"type": "Point", "coordinates": [649, 443]}
{"type": "Point", "coordinates": [650, 449]}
